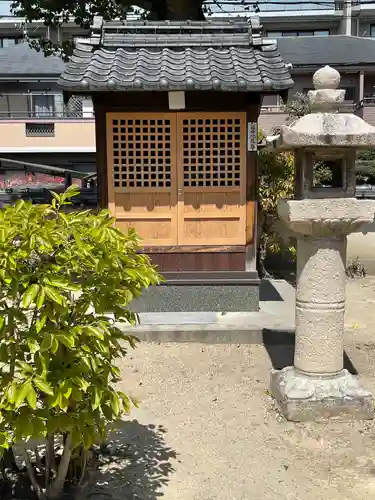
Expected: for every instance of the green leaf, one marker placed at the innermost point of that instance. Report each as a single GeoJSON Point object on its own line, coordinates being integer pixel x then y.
{"type": "Point", "coordinates": [21, 393]}
{"type": "Point", "coordinates": [43, 361]}
{"type": "Point", "coordinates": [57, 401]}
{"type": "Point", "coordinates": [40, 322]}
{"type": "Point", "coordinates": [19, 205]}
{"type": "Point", "coordinates": [12, 392]}
{"type": "Point", "coordinates": [4, 440]}
{"type": "Point", "coordinates": [93, 330]}
{"type": "Point", "coordinates": [55, 344]}
{"type": "Point", "coordinates": [30, 295]}
{"type": "Point", "coordinates": [81, 383]}
{"type": "Point", "coordinates": [115, 403]}
{"type": "Point", "coordinates": [64, 284]}
{"type": "Point", "coordinates": [31, 396]}
{"type": "Point", "coordinates": [33, 345]}
{"type": "Point", "coordinates": [107, 412]}
{"type": "Point", "coordinates": [26, 367]}
{"type": "Point", "coordinates": [41, 298]}
{"type": "Point", "coordinates": [67, 340]}
{"type": "Point", "coordinates": [77, 239]}
{"type": "Point", "coordinates": [97, 398]}
{"type": "Point", "coordinates": [46, 342]}
{"type": "Point", "coordinates": [43, 386]}
{"type": "Point", "coordinates": [66, 389]}
{"type": "Point", "coordinates": [87, 439]}
{"type": "Point", "coordinates": [54, 295]}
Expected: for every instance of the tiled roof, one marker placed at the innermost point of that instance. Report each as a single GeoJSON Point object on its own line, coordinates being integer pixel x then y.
{"type": "Point", "coordinates": [21, 60]}
{"type": "Point", "coordinates": [336, 50]}
{"type": "Point", "coordinates": [176, 56]}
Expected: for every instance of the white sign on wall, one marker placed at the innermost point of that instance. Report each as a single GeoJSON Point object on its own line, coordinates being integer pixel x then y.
{"type": "Point", "coordinates": [252, 136]}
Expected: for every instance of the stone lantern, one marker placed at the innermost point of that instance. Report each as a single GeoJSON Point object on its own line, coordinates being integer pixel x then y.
{"type": "Point", "coordinates": [318, 386]}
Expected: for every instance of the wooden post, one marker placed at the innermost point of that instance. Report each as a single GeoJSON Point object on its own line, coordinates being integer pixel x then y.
{"type": "Point", "coordinates": [68, 180]}
{"type": "Point", "coordinates": [101, 152]}
{"type": "Point", "coordinates": [252, 115]}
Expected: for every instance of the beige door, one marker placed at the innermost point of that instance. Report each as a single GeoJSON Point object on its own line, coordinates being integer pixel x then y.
{"type": "Point", "coordinates": [142, 180]}
{"type": "Point", "coordinates": [211, 178]}
{"type": "Point", "coordinates": [178, 178]}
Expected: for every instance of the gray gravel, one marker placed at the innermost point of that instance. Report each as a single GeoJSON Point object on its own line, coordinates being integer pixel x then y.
{"type": "Point", "coordinates": [207, 428]}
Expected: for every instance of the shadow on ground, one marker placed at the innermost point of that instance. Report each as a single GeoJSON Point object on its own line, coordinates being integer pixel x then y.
{"type": "Point", "coordinates": [280, 349]}
{"type": "Point", "coordinates": [267, 292]}
{"type": "Point", "coordinates": [135, 464]}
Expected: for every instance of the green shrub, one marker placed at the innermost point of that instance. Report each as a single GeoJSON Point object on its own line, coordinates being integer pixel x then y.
{"type": "Point", "coordinates": [66, 280]}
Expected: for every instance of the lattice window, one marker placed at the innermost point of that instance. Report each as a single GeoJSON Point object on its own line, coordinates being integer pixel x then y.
{"type": "Point", "coordinates": [40, 129]}
{"type": "Point", "coordinates": [212, 152]}
{"type": "Point", "coordinates": [142, 153]}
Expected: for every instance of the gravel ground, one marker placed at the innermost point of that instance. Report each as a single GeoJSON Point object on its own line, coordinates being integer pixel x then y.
{"type": "Point", "coordinates": [207, 428]}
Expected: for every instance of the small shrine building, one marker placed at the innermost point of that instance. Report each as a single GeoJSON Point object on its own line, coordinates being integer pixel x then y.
{"type": "Point", "coordinates": [176, 110]}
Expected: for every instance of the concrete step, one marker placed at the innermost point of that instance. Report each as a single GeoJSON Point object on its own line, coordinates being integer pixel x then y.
{"type": "Point", "coordinates": [275, 320]}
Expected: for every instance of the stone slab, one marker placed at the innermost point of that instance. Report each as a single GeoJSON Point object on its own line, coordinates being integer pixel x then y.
{"type": "Point", "coordinates": [211, 334]}
{"type": "Point", "coordinates": [199, 298]}
{"type": "Point", "coordinates": [303, 398]}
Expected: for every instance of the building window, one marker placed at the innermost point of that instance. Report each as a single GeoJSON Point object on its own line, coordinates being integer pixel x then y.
{"type": "Point", "coordinates": [279, 34]}
{"type": "Point", "coordinates": [42, 105]}
{"type": "Point", "coordinates": [9, 41]}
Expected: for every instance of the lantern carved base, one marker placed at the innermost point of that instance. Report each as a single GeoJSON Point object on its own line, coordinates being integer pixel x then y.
{"type": "Point", "coordinates": [305, 398]}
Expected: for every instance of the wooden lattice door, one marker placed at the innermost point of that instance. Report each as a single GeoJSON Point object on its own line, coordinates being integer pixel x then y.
{"type": "Point", "coordinates": [178, 178]}
{"type": "Point", "coordinates": [211, 178]}
{"type": "Point", "coordinates": [142, 180]}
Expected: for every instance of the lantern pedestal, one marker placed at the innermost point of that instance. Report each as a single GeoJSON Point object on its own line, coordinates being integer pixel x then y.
{"type": "Point", "coordinates": [317, 386]}
{"type": "Point", "coordinates": [303, 397]}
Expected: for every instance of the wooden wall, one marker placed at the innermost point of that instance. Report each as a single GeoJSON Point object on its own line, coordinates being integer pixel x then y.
{"type": "Point", "coordinates": [187, 258]}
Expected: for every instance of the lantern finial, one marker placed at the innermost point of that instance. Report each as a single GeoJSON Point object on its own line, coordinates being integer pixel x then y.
{"type": "Point", "coordinates": [326, 78]}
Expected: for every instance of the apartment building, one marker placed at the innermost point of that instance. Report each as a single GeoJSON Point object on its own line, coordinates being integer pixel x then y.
{"type": "Point", "coordinates": [282, 18]}
{"type": "Point", "coordinates": [353, 56]}
{"type": "Point", "coordinates": [37, 126]}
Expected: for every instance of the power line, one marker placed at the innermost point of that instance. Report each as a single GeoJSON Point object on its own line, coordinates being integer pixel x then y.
{"type": "Point", "coordinates": [292, 2]}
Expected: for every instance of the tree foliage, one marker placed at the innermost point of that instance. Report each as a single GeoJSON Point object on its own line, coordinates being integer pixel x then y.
{"type": "Point", "coordinates": [66, 280]}
{"type": "Point", "coordinates": [54, 13]}
{"type": "Point", "coordinates": [297, 106]}
{"type": "Point", "coordinates": [276, 181]}
{"type": "Point", "coordinates": [366, 166]}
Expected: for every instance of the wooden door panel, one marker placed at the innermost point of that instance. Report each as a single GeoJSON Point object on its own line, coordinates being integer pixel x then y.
{"type": "Point", "coordinates": [211, 178]}
{"type": "Point", "coordinates": [142, 177]}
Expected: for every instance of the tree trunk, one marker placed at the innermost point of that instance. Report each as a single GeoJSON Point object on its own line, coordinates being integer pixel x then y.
{"type": "Point", "coordinates": [184, 10]}
{"type": "Point", "coordinates": [9, 460]}
{"type": "Point", "coordinates": [58, 484]}
{"type": "Point", "coordinates": [177, 10]}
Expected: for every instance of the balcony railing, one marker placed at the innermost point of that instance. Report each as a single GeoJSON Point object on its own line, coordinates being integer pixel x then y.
{"type": "Point", "coordinates": [44, 106]}
{"type": "Point", "coordinates": [369, 98]}
{"type": "Point", "coordinates": [347, 107]}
